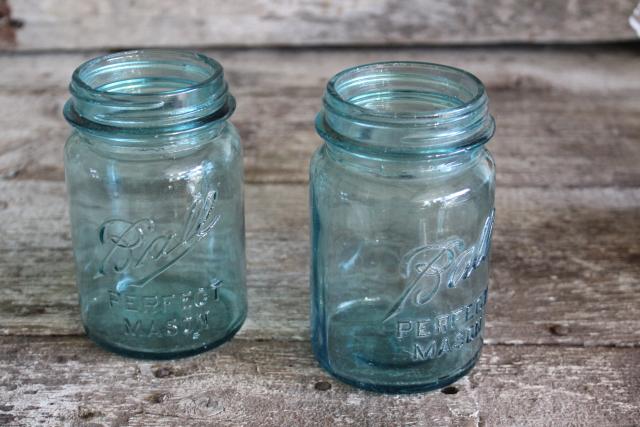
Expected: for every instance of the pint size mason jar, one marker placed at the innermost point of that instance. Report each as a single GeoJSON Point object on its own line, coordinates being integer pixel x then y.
{"type": "Point", "coordinates": [402, 207]}
{"type": "Point", "coordinates": [154, 178]}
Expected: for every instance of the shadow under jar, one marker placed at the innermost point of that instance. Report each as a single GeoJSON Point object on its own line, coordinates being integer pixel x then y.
{"type": "Point", "coordinates": [154, 177]}
{"type": "Point", "coordinates": [402, 206]}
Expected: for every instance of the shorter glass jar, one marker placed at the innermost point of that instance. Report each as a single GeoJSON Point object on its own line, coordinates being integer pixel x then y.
{"type": "Point", "coordinates": [402, 196]}
{"type": "Point", "coordinates": [154, 177]}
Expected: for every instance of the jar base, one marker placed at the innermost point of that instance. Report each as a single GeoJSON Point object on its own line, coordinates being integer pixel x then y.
{"type": "Point", "coordinates": [406, 388]}
{"type": "Point", "coordinates": [163, 356]}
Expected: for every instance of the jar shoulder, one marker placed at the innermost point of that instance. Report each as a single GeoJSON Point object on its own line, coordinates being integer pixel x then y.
{"type": "Point", "coordinates": [86, 155]}
{"type": "Point", "coordinates": [411, 183]}
{"type": "Point", "coordinates": [226, 138]}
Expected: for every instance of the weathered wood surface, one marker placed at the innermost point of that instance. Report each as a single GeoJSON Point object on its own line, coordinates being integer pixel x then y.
{"type": "Point", "coordinates": [566, 264]}
{"type": "Point", "coordinates": [558, 110]}
{"type": "Point", "coordinates": [279, 383]}
{"type": "Point", "coordinates": [67, 24]}
{"type": "Point", "coordinates": [563, 328]}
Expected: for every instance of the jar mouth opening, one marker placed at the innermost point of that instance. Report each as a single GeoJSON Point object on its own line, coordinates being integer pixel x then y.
{"type": "Point", "coordinates": [406, 90]}
{"type": "Point", "coordinates": [405, 108]}
{"type": "Point", "coordinates": [147, 72]}
{"type": "Point", "coordinates": [146, 91]}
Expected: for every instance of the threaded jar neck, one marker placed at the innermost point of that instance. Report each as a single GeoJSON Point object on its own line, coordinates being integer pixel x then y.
{"type": "Point", "coordinates": [405, 109]}
{"type": "Point", "coordinates": [145, 92]}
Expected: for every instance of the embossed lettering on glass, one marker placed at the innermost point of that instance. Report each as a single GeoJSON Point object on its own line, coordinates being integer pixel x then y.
{"type": "Point", "coordinates": [154, 176]}
{"type": "Point", "coordinates": [402, 196]}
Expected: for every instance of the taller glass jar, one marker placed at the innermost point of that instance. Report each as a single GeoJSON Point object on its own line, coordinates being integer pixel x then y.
{"type": "Point", "coordinates": [154, 178]}
{"type": "Point", "coordinates": [402, 204]}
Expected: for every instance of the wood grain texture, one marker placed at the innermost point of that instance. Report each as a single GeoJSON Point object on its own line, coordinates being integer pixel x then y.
{"type": "Point", "coordinates": [276, 383]}
{"type": "Point", "coordinates": [565, 264]}
{"type": "Point", "coordinates": [90, 24]}
{"type": "Point", "coordinates": [557, 110]}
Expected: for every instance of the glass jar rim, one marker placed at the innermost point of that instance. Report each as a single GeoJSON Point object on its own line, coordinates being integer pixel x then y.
{"type": "Point", "coordinates": [405, 107]}
{"type": "Point", "coordinates": [148, 91]}
{"type": "Point", "coordinates": [334, 84]}
{"type": "Point", "coordinates": [80, 74]}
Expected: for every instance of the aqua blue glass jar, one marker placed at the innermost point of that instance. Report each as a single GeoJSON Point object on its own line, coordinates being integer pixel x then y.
{"type": "Point", "coordinates": [155, 183]}
{"type": "Point", "coordinates": [402, 209]}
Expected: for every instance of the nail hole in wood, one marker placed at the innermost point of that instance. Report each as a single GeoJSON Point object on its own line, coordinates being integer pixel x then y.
{"type": "Point", "coordinates": [156, 397]}
{"type": "Point", "coordinates": [86, 413]}
{"type": "Point", "coordinates": [559, 330]}
{"type": "Point", "coordinates": [16, 23]}
{"type": "Point", "coordinates": [163, 372]}
{"type": "Point", "coordinates": [450, 390]}
{"type": "Point", "coordinates": [322, 386]}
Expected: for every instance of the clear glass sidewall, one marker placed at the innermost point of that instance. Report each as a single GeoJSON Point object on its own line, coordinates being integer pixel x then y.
{"type": "Point", "coordinates": [158, 240]}
{"type": "Point", "coordinates": [400, 267]}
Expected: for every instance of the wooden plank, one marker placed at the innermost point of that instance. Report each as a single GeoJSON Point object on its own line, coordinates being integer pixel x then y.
{"type": "Point", "coordinates": [557, 110]}
{"type": "Point", "coordinates": [565, 264]}
{"type": "Point", "coordinates": [65, 24]}
{"type": "Point", "coordinates": [279, 383]}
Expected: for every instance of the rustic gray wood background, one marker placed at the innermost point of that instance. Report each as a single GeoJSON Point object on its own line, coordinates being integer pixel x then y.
{"type": "Point", "coordinates": [563, 328]}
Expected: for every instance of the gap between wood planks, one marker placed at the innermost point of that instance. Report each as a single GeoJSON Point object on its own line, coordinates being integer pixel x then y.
{"type": "Point", "coordinates": [576, 47]}
{"type": "Point", "coordinates": [487, 342]}
{"type": "Point", "coordinates": [55, 24]}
